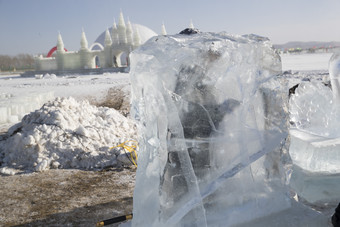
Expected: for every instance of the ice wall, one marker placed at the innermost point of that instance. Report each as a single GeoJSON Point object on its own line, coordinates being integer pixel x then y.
{"type": "Point", "coordinates": [213, 126]}
{"type": "Point", "coordinates": [14, 108]}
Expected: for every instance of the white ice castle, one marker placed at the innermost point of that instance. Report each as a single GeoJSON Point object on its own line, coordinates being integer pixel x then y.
{"type": "Point", "coordinates": [111, 49]}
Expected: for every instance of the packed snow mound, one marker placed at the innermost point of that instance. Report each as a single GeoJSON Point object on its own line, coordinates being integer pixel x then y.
{"type": "Point", "coordinates": [65, 133]}
{"type": "Point", "coordinates": [213, 122]}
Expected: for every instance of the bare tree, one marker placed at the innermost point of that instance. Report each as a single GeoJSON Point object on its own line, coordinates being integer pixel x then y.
{"type": "Point", "coordinates": [20, 62]}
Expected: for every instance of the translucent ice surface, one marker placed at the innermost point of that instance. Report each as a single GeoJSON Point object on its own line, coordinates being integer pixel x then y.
{"type": "Point", "coordinates": [315, 108]}
{"type": "Point", "coordinates": [311, 109]}
{"type": "Point", "coordinates": [213, 124]}
{"type": "Point", "coordinates": [315, 139]}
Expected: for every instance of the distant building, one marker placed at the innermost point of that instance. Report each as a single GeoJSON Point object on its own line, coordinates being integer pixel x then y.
{"type": "Point", "coordinates": [111, 49]}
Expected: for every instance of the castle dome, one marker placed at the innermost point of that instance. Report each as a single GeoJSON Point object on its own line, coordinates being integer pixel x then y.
{"type": "Point", "coordinates": [145, 33]}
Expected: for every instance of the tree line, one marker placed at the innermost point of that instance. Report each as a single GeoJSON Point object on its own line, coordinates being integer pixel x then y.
{"type": "Point", "coordinates": [18, 62]}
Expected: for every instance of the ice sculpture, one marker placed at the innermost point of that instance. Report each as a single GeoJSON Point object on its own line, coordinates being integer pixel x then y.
{"type": "Point", "coordinates": [213, 126]}
{"type": "Point", "coordinates": [315, 139]}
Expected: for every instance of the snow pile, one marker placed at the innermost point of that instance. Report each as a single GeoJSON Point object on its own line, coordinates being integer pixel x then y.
{"type": "Point", "coordinates": [49, 76]}
{"type": "Point", "coordinates": [213, 126]}
{"type": "Point", "coordinates": [45, 76]}
{"type": "Point", "coordinates": [65, 133]}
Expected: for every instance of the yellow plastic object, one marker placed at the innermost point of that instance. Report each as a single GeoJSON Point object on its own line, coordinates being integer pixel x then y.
{"type": "Point", "coordinates": [130, 149]}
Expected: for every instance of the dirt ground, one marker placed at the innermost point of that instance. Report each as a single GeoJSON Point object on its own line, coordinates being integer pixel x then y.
{"type": "Point", "coordinates": [65, 197]}
{"type": "Point", "coordinates": [68, 197]}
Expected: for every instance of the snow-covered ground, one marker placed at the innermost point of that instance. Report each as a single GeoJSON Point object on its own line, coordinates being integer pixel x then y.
{"type": "Point", "coordinates": [19, 96]}
{"type": "Point", "coordinates": [78, 86]}
{"type": "Point", "coordinates": [305, 62]}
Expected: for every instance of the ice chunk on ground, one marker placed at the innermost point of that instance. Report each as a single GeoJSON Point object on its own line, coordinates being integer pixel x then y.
{"type": "Point", "coordinates": [317, 188]}
{"type": "Point", "coordinates": [316, 162]}
{"type": "Point", "coordinates": [213, 125]}
{"type": "Point", "coordinates": [65, 133]}
{"type": "Point", "coordinates": [49, 76]}
{"type": "Point", "coordinates": [315, 139]}
{"type": "Point", "coordinates": [315, 153]}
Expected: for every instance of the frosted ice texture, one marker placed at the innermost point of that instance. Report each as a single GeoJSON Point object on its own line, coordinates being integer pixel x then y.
{"type": "Point", "coordinates": [314, 113]}
{"type": "Point", "coordinates": [311, 109]}
{"type": "Point", "coordinates": [315, 139]}
{"type": "Point", "coordinates": [212, 121]}
{"type": "Point", "coordinates": [315, 107]}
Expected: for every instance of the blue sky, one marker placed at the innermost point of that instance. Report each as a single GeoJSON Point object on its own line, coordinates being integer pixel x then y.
{"type": "Point", "coordinates": [31, 26]}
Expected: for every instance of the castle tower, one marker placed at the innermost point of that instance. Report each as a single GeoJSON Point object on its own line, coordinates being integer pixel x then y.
{"type": "Point", "coordinates": [60, 53]}
{"type": "Point", "coordinates": [129, 33]}
{"type": "Point", "coordinates": [136, 38]}
{"type": "Point", "coordinates": [191, 25]}
{"type": "Point", "coordinates": [108, 49]}
{"type": "Point", "coordinates": [85, 58]}
{"type": "Point", "coordinates": [163, 32]}
{"type": "Point", "coordinates": [83, 41]}
{"type": "Point", "coordinates": [108, 40]}
{"type": "Point", "coordinates": [60, 44]}
{"type": "Point", "coordinates": [114, 34]}
{"type": "Point", "coordinates": [121, 29]}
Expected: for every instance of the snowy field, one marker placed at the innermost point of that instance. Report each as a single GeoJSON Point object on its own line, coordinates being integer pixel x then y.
{"type": "Point", "coordinates": [305, 62]}
{"type": "Point", "coordinates": [23, 95]}
{"type": "Point", "coordinates": [78, 86]}
{"type": "Point", "coordinates": [14, 91]}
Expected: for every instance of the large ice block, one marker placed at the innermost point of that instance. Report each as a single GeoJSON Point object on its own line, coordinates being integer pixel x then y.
{"type": "Point", "coordinates": [213, 126]}
{"type": "Point", "coordinates": [315, 139]}
{"type": "Point", "coordinates": [316, 172]}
